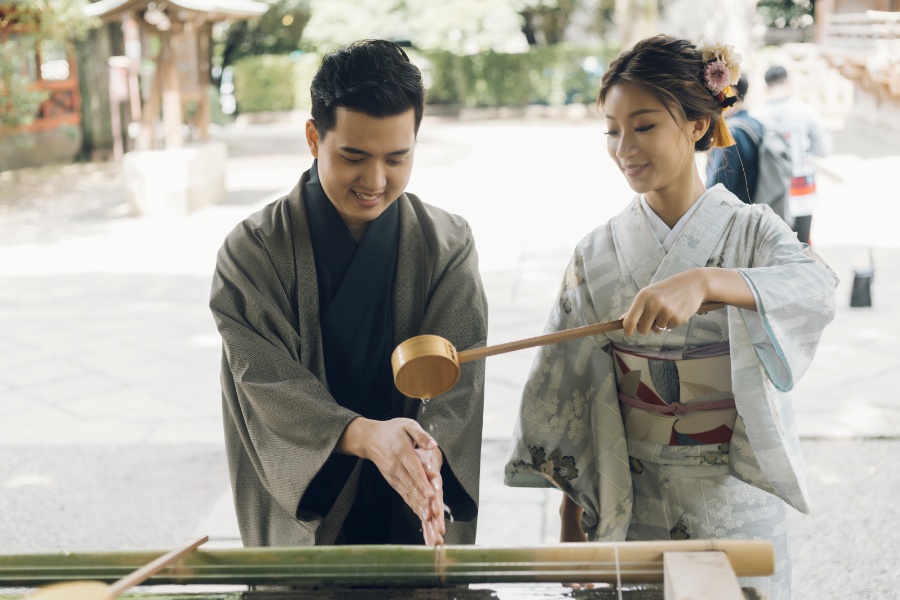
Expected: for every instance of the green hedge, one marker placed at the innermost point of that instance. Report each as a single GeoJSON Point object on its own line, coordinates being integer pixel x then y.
{"type": "Point", "coordinates": [305, 67]}
{"type": "Point", "coordinates": [545, 75]}
{"type": "Point", "coordinates": [263, 83]}
{"type": "Point", "coordinates": [548, 75]}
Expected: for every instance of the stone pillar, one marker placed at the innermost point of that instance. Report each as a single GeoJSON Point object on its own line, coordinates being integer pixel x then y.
{"type": "Point", "coordinates": [175, 181]}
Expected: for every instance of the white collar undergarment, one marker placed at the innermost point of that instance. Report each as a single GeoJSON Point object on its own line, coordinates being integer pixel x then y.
{"type": "Point", "coordinates": [665, 235]}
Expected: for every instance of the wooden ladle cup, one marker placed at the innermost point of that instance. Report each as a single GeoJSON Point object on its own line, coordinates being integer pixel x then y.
{"type": "Point", "coordinates": [426, 366]}
{"type": "Point", "coordinates": [97, 590]}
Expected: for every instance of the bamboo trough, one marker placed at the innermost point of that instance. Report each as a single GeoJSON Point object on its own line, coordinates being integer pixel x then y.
{"type": "Point", "coordinates": [396, 566]}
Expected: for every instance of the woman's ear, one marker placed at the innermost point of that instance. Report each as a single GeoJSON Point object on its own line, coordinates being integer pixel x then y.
{"type": "Point", "coordinates": [699, 128]}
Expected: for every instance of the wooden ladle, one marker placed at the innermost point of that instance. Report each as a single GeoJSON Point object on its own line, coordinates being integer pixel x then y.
{"type": "Point", "coordinates": [97, 590]}
{"type": "Point", "coordinates": [426, 366]}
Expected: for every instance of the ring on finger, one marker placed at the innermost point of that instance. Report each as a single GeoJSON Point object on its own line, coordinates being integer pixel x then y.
{"type": "Point", "coordinates": [661, 328]}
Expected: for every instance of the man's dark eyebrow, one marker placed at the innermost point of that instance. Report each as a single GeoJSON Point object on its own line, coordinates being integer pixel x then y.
{"type": "Point", "coordinates": [639, 112]}
{"type": "Point", "coordinates": [352, 150]}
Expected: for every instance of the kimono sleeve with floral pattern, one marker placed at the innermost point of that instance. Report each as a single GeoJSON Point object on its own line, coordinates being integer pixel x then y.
{"type": "Point", "coordinates": [569, 419]}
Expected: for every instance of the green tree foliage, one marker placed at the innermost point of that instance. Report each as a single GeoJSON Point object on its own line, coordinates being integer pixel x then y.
{"type": "Point", "coordinates": [795, 14]}
{"type": "Point", "coordinates": [34, 21]}
{"type": "Point", "coordinates": [547, 75]}
{"type": "Point", "coordinates": [551, 75]}
{"type": "Point", "coordinates": [464, 26]}
{"type": "Point", "coordinates": [263, 83]}
{"type": "Point", "coordinates": [471, 52]}
{"type": "Point", "coordinates": [19, 100]}
{"type": "Point", "coordinates": [278, 31]}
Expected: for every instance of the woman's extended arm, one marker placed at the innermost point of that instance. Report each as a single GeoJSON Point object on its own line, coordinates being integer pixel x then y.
{"type": "Point", "coordinates": [671, 302]}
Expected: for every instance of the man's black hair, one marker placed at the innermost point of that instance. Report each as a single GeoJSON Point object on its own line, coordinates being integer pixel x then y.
{"type": "Point", "coordinates": [374, 77]}
{"type": "Point", "coordinates": [775, 75]}
{"type": "Point", "coordinates": [740, 88]}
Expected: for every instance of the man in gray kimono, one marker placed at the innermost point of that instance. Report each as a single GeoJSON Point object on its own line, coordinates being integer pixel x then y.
{"type": "Point", "coordinates": [311, 295]}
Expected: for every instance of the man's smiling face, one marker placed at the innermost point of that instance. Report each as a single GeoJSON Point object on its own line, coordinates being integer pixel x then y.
{"type": "Point", "coordinates": [364, 163]}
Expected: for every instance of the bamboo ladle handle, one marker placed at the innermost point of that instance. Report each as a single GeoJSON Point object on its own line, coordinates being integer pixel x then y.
{"type": "Point", "coordinates": [154, 567]}
{"type": "Point", "coordinates": [426, 366]}
{"type": "Point", "coordinates": [97, 590]}
{"type": "Point", "coordinates": [558, 336]}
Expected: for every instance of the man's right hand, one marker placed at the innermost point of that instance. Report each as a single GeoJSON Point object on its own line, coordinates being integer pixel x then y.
{"type": "Point", "coordinates": [392, 445]}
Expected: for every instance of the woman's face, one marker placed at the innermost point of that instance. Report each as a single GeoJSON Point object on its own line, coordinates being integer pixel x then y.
{"type": "Point", "coordinates": [653, 149]}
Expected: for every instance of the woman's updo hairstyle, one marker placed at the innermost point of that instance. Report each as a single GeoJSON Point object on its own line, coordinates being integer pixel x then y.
{"type": "Point", "coordinates": [671, 69]}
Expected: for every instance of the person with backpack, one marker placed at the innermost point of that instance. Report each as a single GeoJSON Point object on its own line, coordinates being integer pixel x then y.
{"type": "Point", "coordinates": [736, 167]}
{"type": "Point", "coordinates": [758, 167]}
{"type": "Point", "coordinates": [800, 124]}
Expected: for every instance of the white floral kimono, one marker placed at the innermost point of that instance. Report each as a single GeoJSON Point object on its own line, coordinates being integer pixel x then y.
{"type": "Point", "coordinates": [570, 431]}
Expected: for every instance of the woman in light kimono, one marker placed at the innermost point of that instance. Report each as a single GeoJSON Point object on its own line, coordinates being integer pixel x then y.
{"type": "Point", "coordinates": [680, 425]}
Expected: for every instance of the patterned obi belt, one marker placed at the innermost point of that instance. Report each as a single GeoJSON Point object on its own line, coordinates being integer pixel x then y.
{"type": "Point", "coordinates": [676, 398]}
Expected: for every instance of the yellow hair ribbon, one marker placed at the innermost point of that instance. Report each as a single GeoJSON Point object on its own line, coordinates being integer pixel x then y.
{"type": "Point", "coordinates": [722, 137]}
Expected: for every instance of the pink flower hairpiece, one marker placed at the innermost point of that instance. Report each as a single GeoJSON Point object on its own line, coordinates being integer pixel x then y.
{"type": "Point", "coordinates": [723, 68]}
{"type": "Point", "coordinates": [717, 76]}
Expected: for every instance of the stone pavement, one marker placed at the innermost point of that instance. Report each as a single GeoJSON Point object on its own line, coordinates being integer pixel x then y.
{"type": "Point", "coordinates": [110, 422]}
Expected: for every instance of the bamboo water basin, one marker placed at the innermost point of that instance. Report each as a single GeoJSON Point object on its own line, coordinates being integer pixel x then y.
{"type": "Point", "coordinates": [421, 570]}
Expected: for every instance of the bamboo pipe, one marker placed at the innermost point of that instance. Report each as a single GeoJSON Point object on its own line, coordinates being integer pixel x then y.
{"type": "Point", "coordinates": [392, 565]}
{"type": "Point", "coordinates": [426, 366]}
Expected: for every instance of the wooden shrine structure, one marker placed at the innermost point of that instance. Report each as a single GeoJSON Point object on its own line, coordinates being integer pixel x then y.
{"type": "Point", "coordinates": [861, 39]}
{"type": "Point", "coordinates": [165, 175]}
{"type": "Point", "coordinates": [181, 66]}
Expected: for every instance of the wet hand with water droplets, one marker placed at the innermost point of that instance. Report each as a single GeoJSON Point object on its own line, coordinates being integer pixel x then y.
{"type": "Point", "coordinates": [434, 527]}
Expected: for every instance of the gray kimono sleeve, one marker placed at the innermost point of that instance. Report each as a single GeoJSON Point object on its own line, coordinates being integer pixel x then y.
{"type": "Point", "coordinates": [457, 311]}
{"type": "Point", "coordinates": [569, 433]}
{"type": "Point", "coordinates": [284, 417]}
{"type": "Point", "coordinates": [794, 292]}
{"type": "Point", "coordinates": [771, 348]}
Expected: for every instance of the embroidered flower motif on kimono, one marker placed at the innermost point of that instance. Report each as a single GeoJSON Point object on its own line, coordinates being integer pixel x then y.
{"type": "Point", "coordinates": [742, 446]}
{"type": "Point", "coordinates": [679, 531]}
{"type": "Point", "coordinates": [537, 379]}
{"type": "Point", "coordinates": [722, 514]}
{"type": "Point", "coordinates": [547, 468]}
{"type": "Point", "coordinates": [567, 468]}
{"type": "Point", "coordinates": [714, 458]}
{"type": "Point", "coordinates": [574, 275]}
{"type": "Point", "coordinates": [574, 278]}
{"type": "Point", "coordinates": [537, 455]}
{"type": "Point", "coordinates": [571, 418]}
{"type": "Point", "coordinates": [614, 521]}
{"type": "Point", "coordinates": [556, 467]}
{"type": "Point", "coordinates": [744, 494]}
{"type": "Point", "coordinates": [715, 261]}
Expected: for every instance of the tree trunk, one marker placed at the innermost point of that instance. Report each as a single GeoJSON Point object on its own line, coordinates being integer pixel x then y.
{"type": "Point", "coordinates": [93, 69]}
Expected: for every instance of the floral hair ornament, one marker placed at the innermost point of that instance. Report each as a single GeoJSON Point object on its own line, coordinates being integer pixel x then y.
{"type": "Point", "coordinates": [722, 70]}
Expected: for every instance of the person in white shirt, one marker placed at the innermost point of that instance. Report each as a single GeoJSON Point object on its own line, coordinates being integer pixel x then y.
{"type": "Point", "coordinates": [801, 125]}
